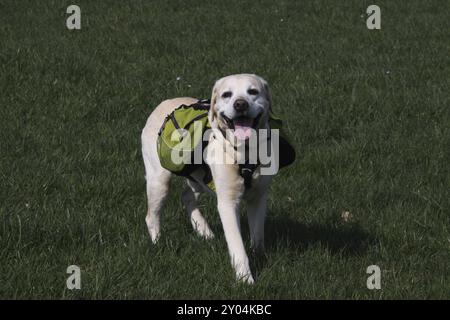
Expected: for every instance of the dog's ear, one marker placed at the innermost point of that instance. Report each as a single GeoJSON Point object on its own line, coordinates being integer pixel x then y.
{"type": "Point", "coordinates": [267, 92]}
{"type": "Point", "coordinates": [212, 111]}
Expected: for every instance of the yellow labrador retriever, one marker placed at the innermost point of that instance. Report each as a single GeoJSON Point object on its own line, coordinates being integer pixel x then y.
{"type": "Point", "coordinates": [240, 104]}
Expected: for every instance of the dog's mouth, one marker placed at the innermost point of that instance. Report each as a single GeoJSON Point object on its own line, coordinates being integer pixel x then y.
{"type": "Point", "coordinates": [242, 126]}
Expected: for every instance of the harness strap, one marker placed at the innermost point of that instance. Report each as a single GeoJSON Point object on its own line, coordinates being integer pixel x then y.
{"type": "Point", "coordinates": [246, 171]}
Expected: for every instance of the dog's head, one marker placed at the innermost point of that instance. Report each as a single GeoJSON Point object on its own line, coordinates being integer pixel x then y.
{"type": "Point", "coordinates": [240, 103]}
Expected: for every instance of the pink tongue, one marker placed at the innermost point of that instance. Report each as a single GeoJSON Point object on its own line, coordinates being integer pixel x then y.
{"type": "Point", "coordinates": [243, 128]}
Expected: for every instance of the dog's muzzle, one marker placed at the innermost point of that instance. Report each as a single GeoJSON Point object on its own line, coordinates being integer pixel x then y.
{"type": "Point", "coordinates": [242, 125]}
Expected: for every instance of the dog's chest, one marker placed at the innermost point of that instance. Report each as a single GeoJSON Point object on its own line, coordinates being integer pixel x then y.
{"type": "Point", "coordinates": [204, 180]}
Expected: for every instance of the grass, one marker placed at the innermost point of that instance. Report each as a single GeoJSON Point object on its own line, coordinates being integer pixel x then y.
{"type": "Point", "coordinates": [367, 110]}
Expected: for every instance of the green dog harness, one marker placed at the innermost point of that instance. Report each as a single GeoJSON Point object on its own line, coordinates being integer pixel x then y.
{"type": "Point", "coordinates": [181, 135]}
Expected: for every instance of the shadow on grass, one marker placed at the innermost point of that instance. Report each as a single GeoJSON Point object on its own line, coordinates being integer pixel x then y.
{"type": "Point", "coordinates": [346, 239]}
{"type": "Point", "coordinates": [343, 239]}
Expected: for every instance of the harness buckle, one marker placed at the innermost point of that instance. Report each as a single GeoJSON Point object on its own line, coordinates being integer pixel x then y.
{"type": "Point", "coordinates": [247, 174]}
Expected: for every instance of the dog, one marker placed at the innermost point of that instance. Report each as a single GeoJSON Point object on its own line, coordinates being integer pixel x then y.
{"type": "Point", "coordinates": [240, 104]}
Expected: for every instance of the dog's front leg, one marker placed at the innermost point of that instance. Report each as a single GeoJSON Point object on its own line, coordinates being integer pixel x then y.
{"type": "Point", "coordinates": [230, 220]}
{"type": "Point", "coordinates": [256, 215]}
{"type": "Point", "coordinates": [256, 211]}
{"type": "Point", "coordinates": [229, 189]}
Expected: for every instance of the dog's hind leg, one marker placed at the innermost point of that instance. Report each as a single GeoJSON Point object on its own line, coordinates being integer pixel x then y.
{"type": "Point", "coordinates": [190, 197]}
{"type": "Point", "coordinates": [157, 190]}
{"type": "Point", "coordinates": [157, 177]}
{"type": "Point", "coordinates": [158, 180]}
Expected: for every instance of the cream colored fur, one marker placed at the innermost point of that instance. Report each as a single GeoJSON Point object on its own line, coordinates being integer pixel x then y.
{"type": "Point", "coordinates": [229, 184]}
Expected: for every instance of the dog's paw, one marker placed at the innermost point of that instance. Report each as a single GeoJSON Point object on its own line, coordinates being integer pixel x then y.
{"type": "Point", "coordinates": [155, 238]}
{"type": "Point", "coordinates": [202, 228]}
{"type": "Point", "coordinates": [206, 234]}
{"type": "Point", "coordinates": [248, 279]}
{"type": "Point", "coordinates": [153, 230]}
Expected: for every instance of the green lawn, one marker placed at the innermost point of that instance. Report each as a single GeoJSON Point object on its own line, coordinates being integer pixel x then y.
{"type": "Point", "coordinates": [368, 111]}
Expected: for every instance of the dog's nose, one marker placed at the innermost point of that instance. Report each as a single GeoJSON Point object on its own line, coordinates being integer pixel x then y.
{"type": "Point", "coordinates": [240, 105]}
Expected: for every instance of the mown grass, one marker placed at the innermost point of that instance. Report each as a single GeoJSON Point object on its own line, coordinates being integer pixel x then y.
{"type": "Point", "coordinates": [367, 110]}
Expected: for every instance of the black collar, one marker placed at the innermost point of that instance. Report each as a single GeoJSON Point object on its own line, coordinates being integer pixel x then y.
{"type": "Point", "coordinates": [246, 171]}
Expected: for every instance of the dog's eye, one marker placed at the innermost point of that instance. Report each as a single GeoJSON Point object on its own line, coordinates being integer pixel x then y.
{"type": "Point", "coordinates": [227, 94]}
{"type": "Point", "coordinates": [252, 92]}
